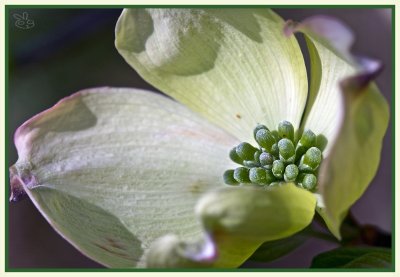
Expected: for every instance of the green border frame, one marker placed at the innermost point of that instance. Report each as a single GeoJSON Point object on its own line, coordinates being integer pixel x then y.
{"type": "Point", "coordinates": [6, 142]}
{"type": "Point", "coordinates": [392, 115]}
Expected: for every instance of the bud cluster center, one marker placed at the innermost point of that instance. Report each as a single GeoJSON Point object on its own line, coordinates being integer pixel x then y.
{"type": "Point", "coordinates": [278, 158]}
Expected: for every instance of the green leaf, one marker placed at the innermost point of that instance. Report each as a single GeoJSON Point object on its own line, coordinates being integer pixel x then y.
{"type": "Point", "coordinates": [276, 249]}
{"type": "Point", "coordinates": [233, 66]}
{"type": "Point", "coordinates": [237, 221]}
{"type": "Point", "coordinates": [347, 110]}
{"type": "Point", "coordinates": [114, 169]}
{"type": "Point", "coordinates": [347, 257]}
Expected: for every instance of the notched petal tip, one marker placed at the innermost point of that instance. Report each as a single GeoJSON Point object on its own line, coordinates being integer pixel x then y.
{"type": "Point", "coordinates": [337, 36]}
{"type": "Point", "coordinates": [360, 132]}
{"type": "Point", "coordinates": [75, 160]}
{"type": "Point", "coordinates": [17, 188]}
{"type": "Point", "coordinates": [290, 28]}
{"type": "Point", "coordinates": [369, 71]}
{"type": "Point", "coordinates": [328, 30]}
{"type": "Point", "coordinates": [236, 221]}
{"type": "Point", "coordinates": [366, 120]}
{"type": "Point", "coordinates": [170, 252]}
{"type": "Point", "coordinates": [20, 179]}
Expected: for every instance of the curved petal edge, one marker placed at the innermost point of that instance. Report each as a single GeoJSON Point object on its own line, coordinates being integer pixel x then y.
{"type": "Point", "coordinates": [236, 222]}
{"type": "Point", "coordinates": [359, 115]}
{"type": "Point", "coordinates": [235, 67]}
{"type": "Point", "coordinates": [113, 169]}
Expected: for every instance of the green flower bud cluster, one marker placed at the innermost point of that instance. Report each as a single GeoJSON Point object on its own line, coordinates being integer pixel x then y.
{"type": "Point", "coordinates": [279, 157]}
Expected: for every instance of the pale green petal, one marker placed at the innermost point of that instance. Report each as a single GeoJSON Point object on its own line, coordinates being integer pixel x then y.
{"type": "Point", "coordinates": [114, 169]}
{"type": "Point", "coordinates": [233, 66]}
{"type": "Point", "coordinates": [237, 221]}
{"type": "Point", "coordinates": [348, 110]}
{"type": "Point", "coordinates": [346, 173]}
{"type": "Point", "coordinates": [328, 41]}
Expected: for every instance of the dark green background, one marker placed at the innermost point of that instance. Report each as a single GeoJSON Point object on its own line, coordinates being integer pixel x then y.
{"type": "Point", "coordinates": [73, 49]}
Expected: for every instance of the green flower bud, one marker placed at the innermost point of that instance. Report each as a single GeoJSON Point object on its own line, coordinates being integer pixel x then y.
{"type": "Point", "coordinates": [229, 179]}
{"type": "Point", "coordinates": [275, 150]}
{"type": "Point", "coordinates": [259, 127]}
{"type": "Point", "coordinates": [309, 182]}
{"type": "Point", "coordinates": [246, 151]}
{"type": "Point", "coordinates": [308, 139]}
{"type": "Point", "coordinates": [241, 174]}
{"type": "Point", "coordinates": [310, 160]}
{"type": "Point", "coordinates": [234, 156]}
{"type": "Point", "coordinates": [278, 168]}
{"type": "Point", "coordinates": [266, 159]}
{"type": "Point", "coordinates": [265, 139]}
{"type": "Point", "coordinates": [257, 156]}
{"type": "Point", "coordinates": [291, 172]}
{"type": "Point", "coordinates": [275, 135]}
{"type": "Point", "coordinates": [277, 160]}
{"type": "Point", "coordinates": [286, 150]}
{"type": "Point", "coordinates": [300, 150]}
{"type": "Point", "coordinates": [257, 175]}
{"type": "Point", "coordinates": [269, 176]}
{"type": "Point", "coordinates": [250, 164]}
{"type": "Point", "coordinates": [286, 130]}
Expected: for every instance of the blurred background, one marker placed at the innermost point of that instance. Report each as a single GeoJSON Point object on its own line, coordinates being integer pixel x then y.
{"type": "Point", "coordinates": [55, 52]}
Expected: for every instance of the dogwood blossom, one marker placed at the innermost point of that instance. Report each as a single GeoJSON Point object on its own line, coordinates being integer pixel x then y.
{"type": "Point", "coordinates": [133, 178]}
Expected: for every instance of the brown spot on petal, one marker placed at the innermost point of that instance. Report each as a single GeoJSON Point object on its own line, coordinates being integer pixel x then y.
{"type": "Point", "coordinates": [238, 116]}
{"type": "Point", "coordinates": [195, 188]}
{"type": "Point", "coordinates": [198, 187]}
{"type": "Point", "coordinates": [112, 251]}
{"type": "Point", "coordinates": [114, 243]}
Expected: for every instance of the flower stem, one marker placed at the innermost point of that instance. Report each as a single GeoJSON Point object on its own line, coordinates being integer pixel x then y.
{"type": "Point", "coordinates": [356, 234]}
{"type": "Point", "coordinates": [366, 234]}
{"type": "Point", "coordinates": [320, 235]}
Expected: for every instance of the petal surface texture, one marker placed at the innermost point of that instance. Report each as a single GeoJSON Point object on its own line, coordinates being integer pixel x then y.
{"type": "Point", "coordinates": [114, 169]}
{"type": "Point", "coordinates": [233, 66]}
{"type": "Point", "coordinates": [237, 221]}
{"type": "Point", "coordinates": [325, 107]}
{"type": "Point", "coordinates": [348, 111]}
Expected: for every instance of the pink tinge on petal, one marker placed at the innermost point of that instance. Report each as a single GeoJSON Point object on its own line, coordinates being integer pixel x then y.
{"type": "Point", "coordinates": [370, 69]}
{"type": "Point", "coordinates": [341, 38]}
{"type": "Point", "coordinates": [208, 252]}
{"type": "Point", "coordinates": [27, 131]}
{"type": "Point", "coordinates": [17, 187]}
{"type": "Point", "coordinates": [20, 179]}
{"type": "Point", "coordinates": [24, 134]}
{"type": "Point", "coordinates": [290, 28]}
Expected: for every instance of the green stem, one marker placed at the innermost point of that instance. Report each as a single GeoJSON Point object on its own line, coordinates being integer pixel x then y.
{"type": "Point", "coordinates": [367, 234]}
{"type": "Point", "coordinates": [353, 233]}
{"type": "Point", "coordinates": [320, 235]}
